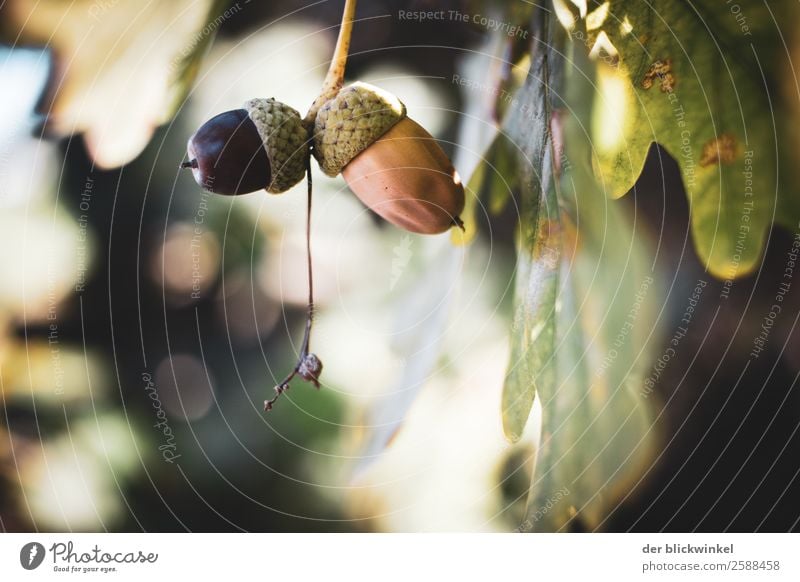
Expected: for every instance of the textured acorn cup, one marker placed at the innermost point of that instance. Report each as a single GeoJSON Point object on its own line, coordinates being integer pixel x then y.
{"type": "Point", "coordinates": [389, 161]}
{"type": "Point", "coordinates": [262, 146]}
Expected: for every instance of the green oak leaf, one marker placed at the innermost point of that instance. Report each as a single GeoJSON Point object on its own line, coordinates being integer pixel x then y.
{"type": "Point", "coordinates": [532, 362]}
{"type": "Point", "coordinates": [686, 75]}
{"type": "Point", "coordinates": [597, 418]}
{"type": "Point", "coordinates": [586, 305]}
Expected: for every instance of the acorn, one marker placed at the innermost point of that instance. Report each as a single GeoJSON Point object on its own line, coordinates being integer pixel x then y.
{"type": "Point", "coordinates": [389, 161]}
{"type": "Point", "coordinates": [264, 145]}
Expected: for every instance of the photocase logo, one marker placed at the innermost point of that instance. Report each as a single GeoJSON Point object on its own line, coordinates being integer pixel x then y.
{"type": "Point", "coordinates": [31, 555]}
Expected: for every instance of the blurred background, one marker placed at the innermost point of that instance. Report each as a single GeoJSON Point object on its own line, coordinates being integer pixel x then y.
{"type": "Point", "coordinates": [143, 322]}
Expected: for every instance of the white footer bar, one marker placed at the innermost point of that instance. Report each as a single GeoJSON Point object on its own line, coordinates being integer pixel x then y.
{"type": "Point", "coordinates": [388, 557]}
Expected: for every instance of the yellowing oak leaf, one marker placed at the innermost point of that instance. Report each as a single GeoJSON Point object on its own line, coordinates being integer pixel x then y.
{"type": "Point", "coordinates": [689, 76]}
{"type": "Point", "coordinates": [121, 67]}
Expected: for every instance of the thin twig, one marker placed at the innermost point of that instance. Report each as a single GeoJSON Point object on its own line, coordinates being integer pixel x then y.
{"type": "Point", "coordinates": [310, 312]}
{"type": "Point", "coordinates": [308, 366]}
{"type": "Point", "coordinates": [335, 77]}
{"type": "Point", "coordinates": [304, 347]}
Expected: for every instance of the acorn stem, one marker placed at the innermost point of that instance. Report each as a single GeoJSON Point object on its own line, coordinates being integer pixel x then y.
{"type": "Point", "coordinates": [335, 77]}
{"type": "Point", "coordinates": [304, 347]}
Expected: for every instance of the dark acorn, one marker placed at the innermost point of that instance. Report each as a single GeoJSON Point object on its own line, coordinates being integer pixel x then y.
{"type": "Point", "coordinates": [227, 155]}
{"type": "Point", "coordinates": [262, 146]}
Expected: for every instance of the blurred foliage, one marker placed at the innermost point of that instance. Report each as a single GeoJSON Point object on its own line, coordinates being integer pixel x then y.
{"type": "Point", "coordinates": [585, 298]}
{"type": "Point", "coordinates": [106, 51]}
{"type": "Point", "coordinates": [598, 426]}
{"type": "Point", "coordinates": [494, 180]}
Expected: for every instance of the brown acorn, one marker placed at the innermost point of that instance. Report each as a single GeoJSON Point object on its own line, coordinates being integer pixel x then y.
{"type": "Point", "coordinates": [389, 161]}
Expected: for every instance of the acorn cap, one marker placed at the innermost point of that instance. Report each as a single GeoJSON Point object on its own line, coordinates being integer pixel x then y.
{"type": "Point", "coordinates": [350, 122]}
{"type": "Point", "coordinates": [285, 140]}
